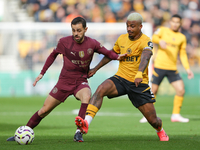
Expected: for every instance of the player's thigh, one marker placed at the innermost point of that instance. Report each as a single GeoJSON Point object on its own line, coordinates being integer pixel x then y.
{"type": "Point", "coordinates": [84, 94]}
{"type": "Point", "coordinates": [49, 104]}
{"type": "Point", "coordinates": [154, 88]}
{"type": "Point", "coordinates": [158, 75]}
{"type": "Point", "coordinates": [176, 81]}
{"type": "Point", "coordinates": [107, 88]}
{"type": "Point", "coordinates": [179, 87]}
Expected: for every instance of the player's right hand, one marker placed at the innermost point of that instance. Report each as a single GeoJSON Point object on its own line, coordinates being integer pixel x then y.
{"type": "Point", "coordinates": [91, 72]}
{"type": "Point", "coordinates": [37, 79]}
{"type": "Point", "coordinates": [122, 56]}
{"type": "Point", "coordinates": [163, 44]}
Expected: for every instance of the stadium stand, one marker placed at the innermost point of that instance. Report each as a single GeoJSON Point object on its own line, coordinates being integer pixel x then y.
{"type": "Point", "coordinates": [23, 49]}
{"type": "Point", "coordinates": [156, 12]}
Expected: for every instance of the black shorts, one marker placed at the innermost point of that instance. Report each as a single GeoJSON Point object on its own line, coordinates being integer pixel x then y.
{"type": "Point", "coordinates": [159, 74]}
{"type": "Point", "coordinates": [138, 95]}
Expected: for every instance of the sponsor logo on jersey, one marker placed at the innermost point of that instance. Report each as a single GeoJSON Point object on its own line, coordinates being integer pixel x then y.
{"type": "Point", "coordinates": [129, 51]}
{"type": "Point", "coordinates": [82, 63]}
{"type": "Point", "coordinates": [55, 90]}
{"type": "Point", "coordinates": [122, 46]}
{"type": "Point", "coordinates": [81, 54]}
{"type": "Point", "coordinates": [172, 45]}
{"type": "Point", "coordinates": [89, 51]}
{"type": "Point", "coordinates": [131, 58]}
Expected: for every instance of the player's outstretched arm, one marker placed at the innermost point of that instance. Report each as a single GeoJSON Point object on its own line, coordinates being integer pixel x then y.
{"type": "Point", "coordinates": [145, 57]}
{"type": "Point", "coordinates": [103, 62]}
{"type": "Point", "coordinates": [37, 79]}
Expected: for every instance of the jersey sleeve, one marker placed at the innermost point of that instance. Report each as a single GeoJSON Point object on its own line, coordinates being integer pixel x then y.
{"type": "Point", "coordinates": [157, 36]}
{"type": "Point", "coordinates": [147, 45]}
{"type": "Point", "coordinates": [116, 47]}
{"type": "Point", "coordinates": [183, 54]}
{"type": "Point", "coordinates": [58, 50]}
{"type": "Point", "coordinates": [102, 50]}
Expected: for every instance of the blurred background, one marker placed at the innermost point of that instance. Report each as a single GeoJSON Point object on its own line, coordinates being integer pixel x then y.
{"type": "Point", "coordinates": [30, 29]}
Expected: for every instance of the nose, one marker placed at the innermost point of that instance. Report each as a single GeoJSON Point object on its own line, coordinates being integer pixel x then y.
{"type": "Point", "coordinates": [75, 33]}
{"type": "Point", "coordinates": [128, 28]}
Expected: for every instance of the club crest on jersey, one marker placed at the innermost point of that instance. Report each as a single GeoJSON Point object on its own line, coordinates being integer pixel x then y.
{"type": "Point", "coordinates": [89, 51]}
{"type": "Point", "coordinates": [81, 54]}
{"type": "Point", "coordinates": [129, 51]}
{"type": "Point", "coordinates": [55, 90]}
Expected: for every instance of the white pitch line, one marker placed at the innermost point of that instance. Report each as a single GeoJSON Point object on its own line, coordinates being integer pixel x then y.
{"type": "Point", "coordinates": [101, 113]}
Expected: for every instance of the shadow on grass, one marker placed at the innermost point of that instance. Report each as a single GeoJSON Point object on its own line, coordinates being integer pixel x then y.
{"type": "Point", "coordinates": [194, 119]}
{"type": "Point", "coordinates": [112, 142]}
{"type": "Point", "coordinates": [48, 131]}
{"type": "Point", "coordinates": [58, 137]}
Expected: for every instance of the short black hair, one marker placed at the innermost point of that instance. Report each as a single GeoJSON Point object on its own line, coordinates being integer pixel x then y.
{"type": "Point", "coordinates": [176, 16]}
{"type": "Point", "coordinates": [79, 20]}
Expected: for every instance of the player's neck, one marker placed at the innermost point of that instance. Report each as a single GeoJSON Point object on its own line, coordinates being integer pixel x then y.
{"type": "Point", "coordinates": [135, 37]}
{"type": "Point", "coordinates": [175, 30]}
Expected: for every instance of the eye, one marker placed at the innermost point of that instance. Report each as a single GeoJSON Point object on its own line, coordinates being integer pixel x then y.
{"type": "Point", "coordinates": [132, 26]}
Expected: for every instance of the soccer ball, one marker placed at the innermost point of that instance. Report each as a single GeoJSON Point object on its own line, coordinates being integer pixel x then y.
{"type": "Point", "coordinates": [24, 135]}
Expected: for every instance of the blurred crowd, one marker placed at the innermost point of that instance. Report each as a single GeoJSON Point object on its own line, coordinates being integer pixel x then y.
{"type": "Point", "coordinates": [156, 12]}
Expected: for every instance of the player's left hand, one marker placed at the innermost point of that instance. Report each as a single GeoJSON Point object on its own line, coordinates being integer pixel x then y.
{"type": "Point", "coordinates": [122, 56]}
{"type": "Point", "coordinates": [190, 74]}
{"type": "Point", "coordinates": [138, 81]}
{"type": "Point", "coordinates": [138, 78]}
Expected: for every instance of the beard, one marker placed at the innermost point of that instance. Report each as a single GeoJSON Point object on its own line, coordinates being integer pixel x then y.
{"type": "Point", "coordinates": [78, 40]}
{"type": "Point", "coordinates": [131, 37]}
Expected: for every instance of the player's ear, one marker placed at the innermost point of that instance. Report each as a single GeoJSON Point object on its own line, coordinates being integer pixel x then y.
{"type": "Point", "coordinates": [181, 22]}
{"type": "Point", "coordinates": [141, 26]}
{"type": "Point", "coordinates": [86, 29]}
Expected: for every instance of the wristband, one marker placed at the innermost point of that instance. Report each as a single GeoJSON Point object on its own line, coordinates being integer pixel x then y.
{"type": "Point", "coordinates": [139, 75]}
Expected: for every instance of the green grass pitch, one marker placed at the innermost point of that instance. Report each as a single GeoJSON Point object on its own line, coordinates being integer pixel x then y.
{"type": "Point", "coordinates": [116, 126]}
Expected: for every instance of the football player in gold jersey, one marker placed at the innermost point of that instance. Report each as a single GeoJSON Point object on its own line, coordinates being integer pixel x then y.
{"type": "Point", "coordinates": [171, 43]}
{"type": "Point", "coordinates": [131, 78]}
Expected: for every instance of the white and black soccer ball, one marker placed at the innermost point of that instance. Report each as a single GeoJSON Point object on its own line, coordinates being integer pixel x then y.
{"type": "Point", "coordinates": [24, 135]}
